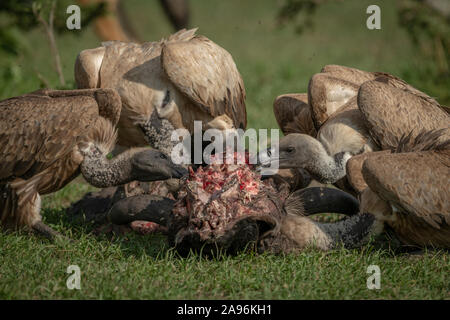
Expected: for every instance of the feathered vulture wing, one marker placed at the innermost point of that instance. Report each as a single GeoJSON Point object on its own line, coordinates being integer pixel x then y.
{"type": "Point", "coordinates": [37, 130]}
{"type": "Point", "coordinates": [354, 169]}
{"type": "Point", "coordinates": [391, 112]}
{"type": "Point", "coordinates": [293, 114]}
{"type": "Point", "coordinates": [352, 75]}
{"type": "Point", "coordinates": [108, 100]}
{"type": "Point", "coordinates": [208, 76]}
{"type": "Point", "coordinates": [401, 84]}
{"type": "Point", "coordinates": [326, 94]}
{"type": "Point", "coordinates": [358, 77]}
{"type": "Point", "coordinates": [415, 182]}
{"type": "Point", "coordinates": [424, 141]}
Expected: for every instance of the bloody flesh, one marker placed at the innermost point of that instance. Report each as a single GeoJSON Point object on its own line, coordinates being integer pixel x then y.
{"type": "Point", "coordinates": [214, 198]}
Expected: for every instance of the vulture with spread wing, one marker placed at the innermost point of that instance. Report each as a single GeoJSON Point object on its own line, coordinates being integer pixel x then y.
{"type": "Point", "coordinates": [166, 85]}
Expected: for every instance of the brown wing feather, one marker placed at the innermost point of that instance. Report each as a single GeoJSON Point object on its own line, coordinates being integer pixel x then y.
{"type": "Point", "coordinates": [391, 112]}
{"type": "Point", "coordinates": [360, 76]}
{"type": "Point", "coordinates": [293, 114]}
{"type": "Point", "coordinates": [136, 71]}
{"type": "Point", "coordinates": [354, 169]}
{"type": "Point", "coordinates": [141, 59]}
{"type": "Point", "coordinates": [401, 84]}
{"type": "Point", "coordinates": [416, 183]}
{"type": "Point", "coordinates": [37, 130]}
{"type": "Point", "coordinates": [353, 75]}
{"type": "Point", "coordinates": [326, 94]}
{"type": "Point", "coordinates": [108, 100]}
{"type": "Point", "coordinates": [208, 76]}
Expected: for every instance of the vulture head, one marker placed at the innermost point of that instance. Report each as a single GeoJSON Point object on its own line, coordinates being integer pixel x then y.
{"type": "Point", "coordinates": [152, 165]}
{"type": "Point", "coordinates": [297, 150]}
{"type": "Point", "coordinates": [166, 85]}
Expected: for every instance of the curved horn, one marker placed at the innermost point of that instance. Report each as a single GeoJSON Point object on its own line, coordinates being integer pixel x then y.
{"type": "Point", "coordinates": [351, 232]}
{"type": "Point", "coordinates": [314, 200]}
{"type": "Point", "coordinates": [142, 207]}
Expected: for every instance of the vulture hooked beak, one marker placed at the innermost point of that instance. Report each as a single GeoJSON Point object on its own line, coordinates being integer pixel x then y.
{"type": "Point", "coordinates": [268, 162]}
{"type": "Point", "coordinates": [178, 172]}
{"type": "Point", "coordinates": [302, 151]}
{"type": "Point", "coordinates": [152, 165]}
{"type": "Point", "coordinates": [279, 156]}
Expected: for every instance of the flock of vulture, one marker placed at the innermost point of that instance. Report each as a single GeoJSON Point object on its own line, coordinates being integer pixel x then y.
{"type": "Point", "coordinates": [370, 134]}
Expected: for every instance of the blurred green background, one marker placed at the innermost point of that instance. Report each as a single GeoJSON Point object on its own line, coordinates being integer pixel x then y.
{"type": "Point", "coordinates": [272, 57]}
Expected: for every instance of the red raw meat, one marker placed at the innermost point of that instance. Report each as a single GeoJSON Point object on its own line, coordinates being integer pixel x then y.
{"type": "Point", "coordinates": [215, 198]}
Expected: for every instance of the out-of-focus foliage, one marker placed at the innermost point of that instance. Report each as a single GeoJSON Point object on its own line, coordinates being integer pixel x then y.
{"type": "Point", "coordinates": [428, 25]}
{"type": "Point", "coordinates": [17, 16]}
{"type": "Point", "coordinates": [300, 12]}
{"type": "Point", "coordinates": [427, 22]}
{"type": "Point", "coordinates": [11, 41]}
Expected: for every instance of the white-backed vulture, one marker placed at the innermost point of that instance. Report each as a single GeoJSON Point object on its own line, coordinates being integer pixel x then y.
{"type": "Point", "coordinates": [49, 137]}
{"type": "Point", "coordinates": [353, 114]}
{"type": "Point", "coordinates": [166, 85]}
{"type": "Point", "coordinates": [408, 189]}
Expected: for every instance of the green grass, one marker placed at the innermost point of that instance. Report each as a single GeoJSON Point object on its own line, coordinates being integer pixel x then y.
{"type": "Point", "coordinates": [144, 267]}
{"type": "Point", "coordinates": [272, 61]}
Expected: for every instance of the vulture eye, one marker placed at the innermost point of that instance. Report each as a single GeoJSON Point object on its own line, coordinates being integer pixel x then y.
{"type": "Point", "coordinates": [290, 149]}
{"type": "Point", "coordinates": [163, 156]}
{"type": "Point", "coordinates": [166, 99]}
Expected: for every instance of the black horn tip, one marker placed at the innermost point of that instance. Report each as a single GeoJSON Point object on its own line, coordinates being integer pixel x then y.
{"type": "Point", "coordinates": [353, 232]}
{"type": "Point", "coordinates": [325, 200]}
{"type": "Point", "coordinates": [142, 207]}
{"type": "Point", "coordinates": [179, 172]}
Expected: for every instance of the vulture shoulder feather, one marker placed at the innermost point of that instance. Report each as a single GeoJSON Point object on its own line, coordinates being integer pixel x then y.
{"type": "Point", "coordinates": [353, 75]}
{"type": "Point", "coordinates": [293, 114]}
{"type": "Point", "coordinates": [326, 94]}
{"type": "Point", "coordinates": [40, 128]}
{"type": "Point", "coordinates": [345, 131]}
{"type": "Point", "coordinates": [354, 169]}
{"type": "Point", "coordinates": [390, 112]}
{"type": "Point", "coordinates": [207, 75]}
{"type": "Point", "coordinates": [414, 182]}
